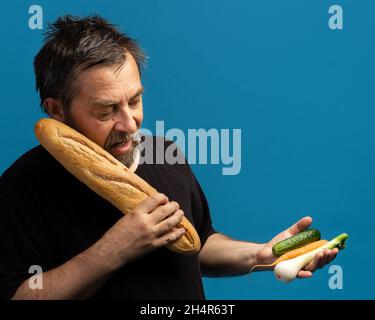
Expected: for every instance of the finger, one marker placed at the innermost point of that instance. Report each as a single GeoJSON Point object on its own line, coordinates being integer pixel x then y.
{"type": "Point", "coordinates": [300, 225]}
{"type": "Point", "coordinates": [169, 224]}
{"type": "Point", "coordinates": [151, 203]}
{"type": "Point", "coordinates": [329, 256]}
{"type": "Point", "coordinates": [333, 254]}
{"type": "Point", "coordinates": [169, 237]}
{"type": "Point", "coordinates": [325, 259]}
{"type": "Point", "coordinates": [303, 274]}
{"type": "Point", "coordinates": [321, 259]}
{"type": "Point", "coordinates": [313, 265]}
{"type": "Point", "coordinates": [164, 211]}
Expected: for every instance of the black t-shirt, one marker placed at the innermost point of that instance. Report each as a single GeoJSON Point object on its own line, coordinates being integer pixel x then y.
{"type": "Point", "coordinates": [48, 216]}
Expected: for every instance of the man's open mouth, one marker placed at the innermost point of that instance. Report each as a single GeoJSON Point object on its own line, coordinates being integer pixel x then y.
{"type": "Point", "coordinates": [119, 143]}
{"type": "Point", "coordinates": [121, 146]}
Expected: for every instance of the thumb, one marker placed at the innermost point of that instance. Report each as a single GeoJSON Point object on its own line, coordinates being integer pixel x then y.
{"type": "Point", "coordinates": [300, 225]}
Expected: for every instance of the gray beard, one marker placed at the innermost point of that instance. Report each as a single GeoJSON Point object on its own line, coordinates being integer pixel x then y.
{"type": "Point", "coordinates": [128, 157]}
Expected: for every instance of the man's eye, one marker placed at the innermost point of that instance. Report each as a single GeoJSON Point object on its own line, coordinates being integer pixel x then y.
{"type": "Point", "coordinates": [104, 115]}
{"type": "Point", "coordinates": [134, 103]}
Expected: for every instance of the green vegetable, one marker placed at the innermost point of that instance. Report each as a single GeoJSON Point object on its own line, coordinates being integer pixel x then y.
{"type": "Point", "coordinates": [299, 240]}
{"type": "Point", "coordinates": [286, 271]}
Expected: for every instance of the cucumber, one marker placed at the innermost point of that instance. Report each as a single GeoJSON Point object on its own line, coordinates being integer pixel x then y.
{"type": "Point", "coordinates": [299, 240]}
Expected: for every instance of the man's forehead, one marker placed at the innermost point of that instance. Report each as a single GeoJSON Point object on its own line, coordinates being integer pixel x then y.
{"type": "Point", "coordinates": [105, 82]}
{"type": "Point", "coordinates": [106, 98]}
{"type": "Point", "coordinates": [109, 76]}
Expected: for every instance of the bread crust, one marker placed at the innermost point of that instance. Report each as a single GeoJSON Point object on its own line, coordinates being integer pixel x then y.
{"type": "Point", "coordinates": [105, 175]}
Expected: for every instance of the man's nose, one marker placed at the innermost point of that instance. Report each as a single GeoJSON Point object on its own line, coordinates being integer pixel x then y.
{"type": "Point", "coordinates": [125, 121]}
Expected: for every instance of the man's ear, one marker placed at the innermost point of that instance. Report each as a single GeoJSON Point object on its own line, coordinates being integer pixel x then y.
{"type": "Point", "coordinates": [54, 108]}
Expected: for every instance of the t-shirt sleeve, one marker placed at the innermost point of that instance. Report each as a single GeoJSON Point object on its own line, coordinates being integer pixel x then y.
{"type": "Point", "coordinates": [203, 222]}
{"type": "Point", "coordinates": [200, 208]}
{"type": "Point", "coordinates": [24, 241]}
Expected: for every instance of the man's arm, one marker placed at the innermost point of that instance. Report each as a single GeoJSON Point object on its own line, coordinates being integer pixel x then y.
{"type": "Point", "coordinates": [148, 227]}
{"type": "Point", "coordinates": [223, 256]}
{"type": "Point", "coordinates": [78, 278]}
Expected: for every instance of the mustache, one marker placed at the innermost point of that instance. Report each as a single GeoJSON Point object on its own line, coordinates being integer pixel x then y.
{"type": "Point", "coordinates": [117, 136]}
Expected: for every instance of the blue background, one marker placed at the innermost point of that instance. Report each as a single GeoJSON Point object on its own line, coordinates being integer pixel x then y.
{"type": "Point", "coordinates": [302, 94]}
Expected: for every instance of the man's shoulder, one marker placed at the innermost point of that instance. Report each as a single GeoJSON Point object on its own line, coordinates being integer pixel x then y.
{"type": "Point", "coordinates": [32, 164]}
{"type": "Point", "coordinates": [161, 156]}
{"type": "Point", "coordinates": [155, 139]}
{"type": "Point", "coordinates": [163, 150]}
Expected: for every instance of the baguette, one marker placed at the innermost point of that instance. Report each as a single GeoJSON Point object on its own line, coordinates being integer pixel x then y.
{"type": "Point", "coordinates": [105, 175]}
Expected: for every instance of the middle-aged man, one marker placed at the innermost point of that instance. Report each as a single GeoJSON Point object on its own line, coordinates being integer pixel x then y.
{"type": "Point", "coordinates": [88, 76]}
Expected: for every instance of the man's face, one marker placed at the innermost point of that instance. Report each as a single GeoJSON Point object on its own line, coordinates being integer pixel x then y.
{"type": "Point", "coordinates": [108, 108]}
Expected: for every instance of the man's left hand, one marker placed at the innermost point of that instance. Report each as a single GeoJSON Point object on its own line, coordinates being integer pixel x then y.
{"type": "Point", "coordinates": [265, 255]}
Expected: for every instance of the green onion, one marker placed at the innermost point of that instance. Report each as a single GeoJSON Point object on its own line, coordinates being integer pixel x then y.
{"type": "Point", "coordinates": [286, 271]}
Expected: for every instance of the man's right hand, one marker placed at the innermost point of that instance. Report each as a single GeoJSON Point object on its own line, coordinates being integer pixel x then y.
{"type": "Point", "coordinates": [150, 225]}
